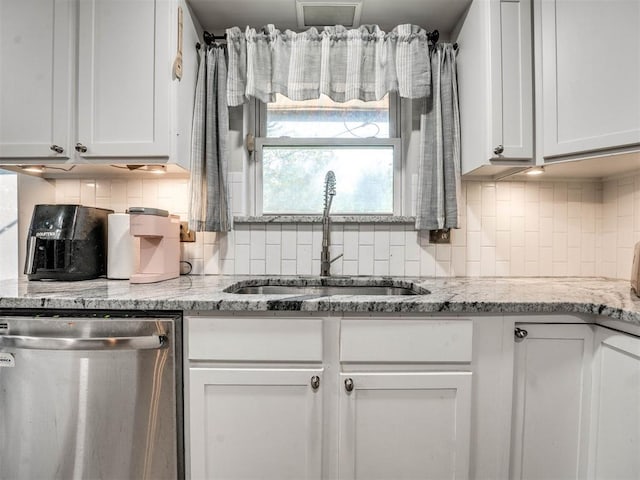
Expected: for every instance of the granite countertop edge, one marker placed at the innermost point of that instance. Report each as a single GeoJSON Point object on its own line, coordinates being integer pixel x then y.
{"type": "Point", "coordinates": [458, 295]}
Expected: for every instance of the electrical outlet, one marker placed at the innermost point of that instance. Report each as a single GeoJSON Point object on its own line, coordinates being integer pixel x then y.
{"type": "Point", "coordinates": [186, 235]}
{"type": "Point", "coordinates": [440, 236]}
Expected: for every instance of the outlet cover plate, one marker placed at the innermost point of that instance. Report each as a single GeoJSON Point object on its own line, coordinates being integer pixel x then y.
{"type": "Point", "coordinates": [440, 236]}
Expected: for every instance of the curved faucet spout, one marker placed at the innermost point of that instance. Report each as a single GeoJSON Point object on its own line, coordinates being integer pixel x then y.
{"type": "Point", "coordinates": [329, 193]}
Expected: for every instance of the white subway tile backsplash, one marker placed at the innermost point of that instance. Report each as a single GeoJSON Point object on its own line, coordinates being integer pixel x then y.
{"type": "Point", "coordinates": [305, 235]}
{"type": "Point", "coordinates": [273, 260]}
{"type": "Point", "coordinates": [289, 246]}
{"type": "Point", "coordinates": [150, 191]}
{"type": "Point", "coordinates": [366, 232]}
{"type": "Point", "coordinates": [365, 260]}
{"type": "Point", "coordinates": [288, 267]}
{"type": "Point", "coordinates": [411, 246]}
{"type": "Point", "coordinates": [243, 259]}
{"type": "Point", "coordinates": [488, 231]}
{"type": "Point", "coordinates": [396, 235]}
{"type": "Point", "coordinates": [381, 245]}
{"type": "Point", "coordinates": [507, 228]}
{"type": "Point", "coordinates": [474, 192]}
{"type": "Point", "coordinates": [396, 260]}
{"type": "Point", "coordinates": [489, 200]}
{"type": "Point", "coordinates": [503, 191]}
{"type": "Point", "coordinates": [258, 242]}
{"type": "Point", "coordinates": [258, 267]}
{"type": "Point", "coordinates": [546, 261]}
{"type": "Point", "coordinates": [350, 243]}
{"type": "Point", "coordinates": [350, 267]}
{"type": "Point", "coordinates": [428, 260]}
{"type": "Point", "coordinates": [273, 234]}
{"type": "Point", "coordinates": [503, 215]}
{"type": "Point", "coordinates": [412, 268]}
{"type": "Point", "coordinates": [458, 261]}
{"type": "Point", "coordinates": [303, 266]}
{"type": "Point", "coordinates": [381, 267]}
{"type": "Point", "coordinates": [488, 261]}
{"type": "Point", "coordinates": [243, 234]}
{"type": "Point", "coordinates": [474, 245]}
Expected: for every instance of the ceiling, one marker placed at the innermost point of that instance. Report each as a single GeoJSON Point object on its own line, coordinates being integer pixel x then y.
{"type": "Point", "coordinates": [217, 15]}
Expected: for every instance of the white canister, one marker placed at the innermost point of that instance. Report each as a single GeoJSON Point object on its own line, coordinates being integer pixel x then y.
{"type": "Point", "coordinates": [121, 247]}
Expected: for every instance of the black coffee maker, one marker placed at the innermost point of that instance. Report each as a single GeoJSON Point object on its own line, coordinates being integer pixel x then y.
{"type": "Point", "coordinates": [67, 242]}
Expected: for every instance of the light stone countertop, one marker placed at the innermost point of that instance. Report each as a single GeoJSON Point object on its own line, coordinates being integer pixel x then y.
{"type": "Point", "coordinates": [600, 296]}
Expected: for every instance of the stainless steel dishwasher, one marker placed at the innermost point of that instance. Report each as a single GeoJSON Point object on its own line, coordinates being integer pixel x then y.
{"type": "Point", "coordinates": [90, 398]}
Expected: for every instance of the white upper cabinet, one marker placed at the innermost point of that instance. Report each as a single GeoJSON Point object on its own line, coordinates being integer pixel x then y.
{"type": "Point", "coordinates": [495, 82]}
{"type": "Point", "coordinates": [590, 62]}
{"type": "Point", "coordinates": [36, 80]}
{"type": "Point", "coordinates": [124, 78]}
{"type": "Point", "coordinates": [95, 78]}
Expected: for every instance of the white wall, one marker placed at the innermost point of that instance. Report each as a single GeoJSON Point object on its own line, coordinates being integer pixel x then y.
{"type": "Point", "coordinates": [508, 229]}
{"type": "Point", "coordinates": [8, 225]}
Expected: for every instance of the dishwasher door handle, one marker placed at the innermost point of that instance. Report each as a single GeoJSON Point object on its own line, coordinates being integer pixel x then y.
{"type": "Point", "coordinates": [149, 342]}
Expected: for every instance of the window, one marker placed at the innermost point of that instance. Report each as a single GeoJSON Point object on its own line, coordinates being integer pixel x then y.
{"type": "Point", "coordinates": [299, 141]}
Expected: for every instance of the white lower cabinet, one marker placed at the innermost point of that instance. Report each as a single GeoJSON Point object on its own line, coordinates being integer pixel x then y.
{"type": "Point", "coordinates": [255, 423]}
{"type": "Point", "coordinates": [410, 397]}
{"type": "Point", "coordinates": [615, 439]}
{"type": "Point", "coordinates": [405, 425]}
{"type": "Point", "coordinates": [328, 398]}
{"type": "Point", "coordinates": [551, 401]}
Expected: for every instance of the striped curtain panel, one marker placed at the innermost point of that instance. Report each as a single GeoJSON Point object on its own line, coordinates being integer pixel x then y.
{"type": "Point", "coordinates": [209, 206]}
{"type": "Point", "coordinates": [344, 64]}
{"type": "Point", "coordinates": [439, 175]}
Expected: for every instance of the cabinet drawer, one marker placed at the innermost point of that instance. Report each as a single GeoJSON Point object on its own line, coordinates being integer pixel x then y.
{"type": "Point", "coordinates": [255, 339]}
{"type": "Point", "coordinates": [404, 340]}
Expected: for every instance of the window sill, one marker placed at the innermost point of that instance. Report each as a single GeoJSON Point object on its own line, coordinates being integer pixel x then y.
{"type": "Point", "coordinates": [380, 219]}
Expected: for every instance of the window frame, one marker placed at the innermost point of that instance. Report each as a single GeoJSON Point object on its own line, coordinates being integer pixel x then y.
{"type": "Point", "coordinates": [259, 113]}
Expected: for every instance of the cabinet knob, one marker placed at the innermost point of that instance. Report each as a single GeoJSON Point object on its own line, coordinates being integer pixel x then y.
{"type": "Point", "coordinates": [57, 148]}
{"type": "Point", "coordinates": [520, 333]}
{"type": "Point", "coordinates": [498, 150]}
{"type": "Point", "coordinates": [348, 385]}
{"type": "Point", "coordinates": [80, 148]}
{"type": "Point", "coordinates": [315, 382]}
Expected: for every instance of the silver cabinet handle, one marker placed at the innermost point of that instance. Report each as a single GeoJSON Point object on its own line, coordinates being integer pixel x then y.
{"type": "Point", "coordinates": [498, 150]}
{"type": "Point", "coordinates": [150, 342]}
{"type": "Point", "coordinates": [520, 333]}
{"type": "Point", "coordinates": [80, 148]}
{"type": "Point", "coordinates": [57, 148]}
{"type": "Point", "coordinates": [315, 382]}
{"type": "Point", "coordinates": [348, 385]}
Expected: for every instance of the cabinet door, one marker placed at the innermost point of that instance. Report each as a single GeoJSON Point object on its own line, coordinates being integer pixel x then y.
{"type": "Point", "coordinates": [590, 74]}
{"type": "Point", "coordinates": [255, 424]}
{"type": "Point", "coordinates": [616, 405]}
{"type": "Point", "coordinates": [401, 426]}
{"type": "Point", "coordinates": [512, 79]}
{"type": "Point", "coordinates": [124, 78]}
{"type": "Point", "coordinates": [551, 404]}
{"type": "Point", "coordinates": [35, 84]}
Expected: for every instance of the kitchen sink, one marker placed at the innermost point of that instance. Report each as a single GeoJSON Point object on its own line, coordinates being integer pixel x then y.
{"type": "Point", "coordinates": [325, 287]}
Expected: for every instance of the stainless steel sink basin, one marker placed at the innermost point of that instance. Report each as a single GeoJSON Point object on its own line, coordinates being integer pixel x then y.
{"type": "Point", "coordinates": [325, 287]}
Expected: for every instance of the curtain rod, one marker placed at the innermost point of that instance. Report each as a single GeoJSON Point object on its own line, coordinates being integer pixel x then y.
{"type": "Point", "coordinates": [209, 38]}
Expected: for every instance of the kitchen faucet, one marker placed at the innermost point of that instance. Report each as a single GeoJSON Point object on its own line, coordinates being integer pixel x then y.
{"type": "Point", "coordinates": [329, 193]}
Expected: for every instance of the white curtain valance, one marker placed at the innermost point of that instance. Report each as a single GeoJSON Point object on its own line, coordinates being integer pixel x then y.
{"type": "Point", "coordinates": [344, 64]}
